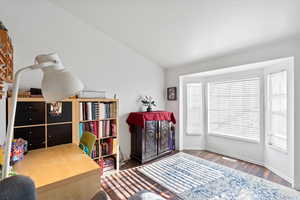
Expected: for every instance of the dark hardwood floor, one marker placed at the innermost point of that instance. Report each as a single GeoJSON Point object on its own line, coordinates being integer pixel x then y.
{"type": "Point", "coordinates": [244, 166]}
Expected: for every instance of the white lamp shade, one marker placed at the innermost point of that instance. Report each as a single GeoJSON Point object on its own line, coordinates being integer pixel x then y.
{"type": "Point", "coordinates": [58, 85]}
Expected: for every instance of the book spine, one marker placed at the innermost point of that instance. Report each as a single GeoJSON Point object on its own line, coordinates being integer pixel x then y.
{"type": "Point", "coordinates": [115, 145]}
{"type": "Point", "coordinates": [113, 129]}
{"type": "Point", "coordinates": [96, 129]}
{"type": "Point", "coordinates": [92, 110]}
{"type": "Point", "coordinates": [89, 111]}
{"type": "Point", "coordinates": [97, 110]}
{"type": "Point", "coordinates": [100, 129]}
{"type": "Point", "coordinates": [85, 111]}
{"type": "Point", "coordinates": [101, 111]}
{"type": "Point", "coordinates": [81, 129]}
{"type": "Point", "coordinates": [107, 128]}
{"type": "Point", "coordinates": [80, 111]}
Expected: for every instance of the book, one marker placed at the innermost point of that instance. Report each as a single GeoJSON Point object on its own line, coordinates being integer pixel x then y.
{"type": "Point", "coordinates": [107, 128]}
{"type": "Point", "coordinates": [114, 146]}
{"type": "Point", "coordinates": [89, 111]}
{"type": "Point", "coordinates": [80, 112]}
{"type": "Point", "coordinates": [113, 129]}
{"type": "Point", "coordinates": [100, 129]}
{"type": "Point", "coordinates": [81, 129]}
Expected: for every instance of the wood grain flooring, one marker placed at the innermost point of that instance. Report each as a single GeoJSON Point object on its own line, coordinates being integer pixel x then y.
{"type": "Point", "coordinates": [129, 181]}
{"type": "Point", "coordinates": [244, 166]}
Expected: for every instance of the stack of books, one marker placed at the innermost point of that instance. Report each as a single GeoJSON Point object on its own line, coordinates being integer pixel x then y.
{"type": "Point", "coordinates": [92, 127]}
{"type": "Point", "coordinates": [109, 146]}
{"type": "Point", "coordinates": [106, 110]}
{"type": "Point", "coordinates": [88, 111]}
{"type": "Point", "coordinates": [107, 164]}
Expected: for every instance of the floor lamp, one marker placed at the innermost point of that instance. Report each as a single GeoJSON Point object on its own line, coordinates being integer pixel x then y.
{"type": "Point", "coordinates": [57, 84]}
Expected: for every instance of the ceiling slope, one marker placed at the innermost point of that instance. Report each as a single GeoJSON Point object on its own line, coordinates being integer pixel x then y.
{"type": "Point", "coordinates": [175, 32]}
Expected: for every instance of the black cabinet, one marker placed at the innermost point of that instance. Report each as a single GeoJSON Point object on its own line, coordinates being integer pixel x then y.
{"type": "Point", "coordinates": [30, 113]}
{"type": "Point", "coordinates": [34, 135]}
{"type": "Point", "coordinates": [39, 124]}
{"type": "Point", "coordinates": [59, 134]}
{"type": "Point", "coordinates": [156, 138]}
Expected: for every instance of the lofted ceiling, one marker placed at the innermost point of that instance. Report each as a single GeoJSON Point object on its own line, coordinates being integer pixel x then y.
{"type": "Point", "coordinates": [175, 32]}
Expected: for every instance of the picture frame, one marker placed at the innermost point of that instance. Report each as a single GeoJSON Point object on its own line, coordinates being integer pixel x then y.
{"type": "Point", "coordinates": [172, 93]}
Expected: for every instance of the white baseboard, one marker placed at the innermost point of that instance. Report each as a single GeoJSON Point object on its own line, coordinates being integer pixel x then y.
{"type": "Point", "coordinates": [279, 173]}
{"type": "Point", "coordinates": [237, 157]}
{"type": "Point", "coordinates": [276, 171]}
{"type": "Point", "coordinates": [194, 148]}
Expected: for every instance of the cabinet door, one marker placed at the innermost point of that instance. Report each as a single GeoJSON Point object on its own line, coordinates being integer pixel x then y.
{"type": "Point", "coordinates": [164, 139]}
{"type": "Point", "coordinates": [30, 113]}
{"type": "Point", "coordinates": [60, 112]}
{"type": "Point", "coordinates": [34, 135]}
{"type": "Point", "coordinates": [59, 134]}
{"type": "Point", "coordinates": [150, 140]}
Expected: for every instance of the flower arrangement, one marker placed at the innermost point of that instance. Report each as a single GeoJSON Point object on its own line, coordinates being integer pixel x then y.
{"type": "Point", "coordinates": [147, 101]}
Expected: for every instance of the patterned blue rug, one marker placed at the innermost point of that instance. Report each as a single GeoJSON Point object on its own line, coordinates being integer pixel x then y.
{"type": "Point", "coordinates": [193, 178]}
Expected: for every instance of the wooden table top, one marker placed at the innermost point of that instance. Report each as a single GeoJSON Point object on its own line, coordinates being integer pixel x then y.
{"type": "Point", "coordinates": [55, 164]}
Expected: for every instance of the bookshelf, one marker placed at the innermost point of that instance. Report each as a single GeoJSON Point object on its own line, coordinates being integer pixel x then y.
{"type": "Point", "coordinates": [35, 124]}
{"type": "Point", "coordinates": [100, 116]}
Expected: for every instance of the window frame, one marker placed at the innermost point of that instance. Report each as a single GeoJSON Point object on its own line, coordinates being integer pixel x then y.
{"type": "Point", "coordinates": [290, 87]}
{"type": "Point", "coordinates": [187, 130]}
{"type": "Point", "coordinates": [257, 73]}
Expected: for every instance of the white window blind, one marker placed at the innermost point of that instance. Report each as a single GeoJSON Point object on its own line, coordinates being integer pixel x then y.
{"type": "Point", "coordinates": [277, 109]}
{"type": "Point", "coordinates": [234, 108]}
{"type": "Point", "coordinates": [194, 123]}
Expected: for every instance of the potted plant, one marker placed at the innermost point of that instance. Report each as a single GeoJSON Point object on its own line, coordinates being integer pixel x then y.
{"type": "Point", "coordinates": [148, 102]}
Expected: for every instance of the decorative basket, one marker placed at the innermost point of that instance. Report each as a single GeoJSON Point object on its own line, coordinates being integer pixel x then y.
{"type": "Point", "coordinates": [6, 58]}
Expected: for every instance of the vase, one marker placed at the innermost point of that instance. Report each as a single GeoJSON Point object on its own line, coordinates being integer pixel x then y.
{"type": "Point", "coordinates": [149, 109]}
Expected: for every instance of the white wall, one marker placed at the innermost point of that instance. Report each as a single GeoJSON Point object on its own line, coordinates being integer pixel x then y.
{"type": "Point", "coordinates": [280, 49]}
{"type": "Point", "coordinates": [100, 62]}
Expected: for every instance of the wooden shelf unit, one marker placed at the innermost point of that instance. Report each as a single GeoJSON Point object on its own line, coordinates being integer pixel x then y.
{"type": "Point", "coordinates": [113, 119]}
{"type": "Point", "coordinates": [41, 128]}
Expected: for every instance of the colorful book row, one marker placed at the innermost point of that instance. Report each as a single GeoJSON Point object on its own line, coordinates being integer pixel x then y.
{"type": "Point", "coordinates": [100, 129]}
{"type": "Point", "coordinates": [96, 111]}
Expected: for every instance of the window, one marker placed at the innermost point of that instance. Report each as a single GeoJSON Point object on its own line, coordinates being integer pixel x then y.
{"type": "Point", "coordinates": [277, 109]}
{"type": "Point", "coordinates": [194, 109]}
{"type": "Point", "coordinates": [234, 108]}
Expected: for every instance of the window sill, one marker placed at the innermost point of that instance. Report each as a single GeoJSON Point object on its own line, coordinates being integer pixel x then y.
{"type": "Point", "coordinates": [193, 134]}
{"type": "Point", "coordinates": [230, 137]}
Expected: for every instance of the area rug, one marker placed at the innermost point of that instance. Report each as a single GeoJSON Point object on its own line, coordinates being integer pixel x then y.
{"type": "Point", "coordinates": [193, 178]}
{"type": "Point", "coordinates": [126, 183]}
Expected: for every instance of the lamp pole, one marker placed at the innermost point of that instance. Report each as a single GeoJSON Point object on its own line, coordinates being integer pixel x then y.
{"type": "Point", "coordinates": [11, 121]}
{"type": "Point", "coordinates": [55, 76]}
